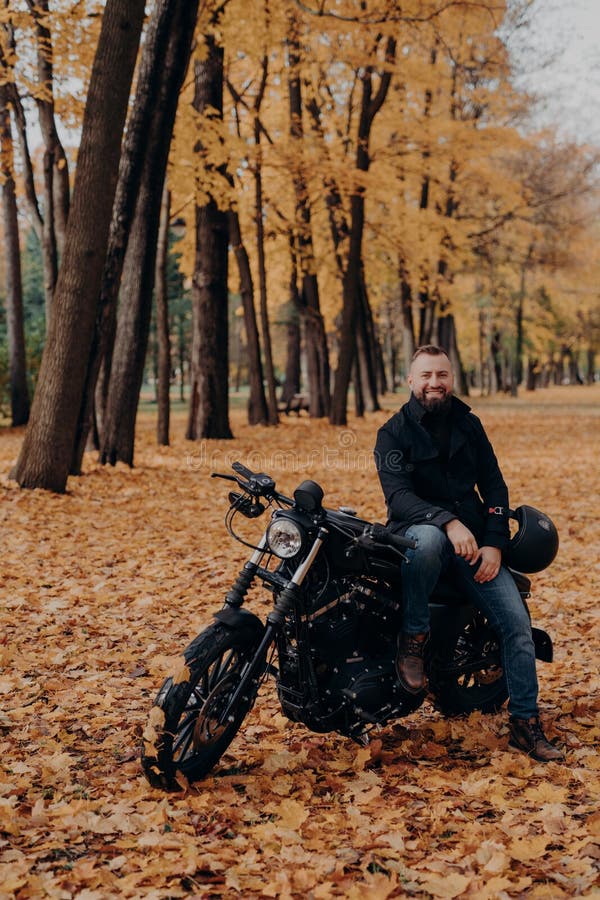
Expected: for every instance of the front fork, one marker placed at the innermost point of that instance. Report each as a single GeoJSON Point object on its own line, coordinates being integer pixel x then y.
{"type": "Point", "coordinates": [284, 604]}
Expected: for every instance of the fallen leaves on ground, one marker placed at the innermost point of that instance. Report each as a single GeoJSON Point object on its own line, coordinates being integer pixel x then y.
{"type": "Point", "coordinates": [103, 586]}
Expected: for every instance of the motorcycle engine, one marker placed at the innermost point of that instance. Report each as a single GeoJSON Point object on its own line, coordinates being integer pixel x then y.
{"type": "Point", "coordinates": [353, 646]}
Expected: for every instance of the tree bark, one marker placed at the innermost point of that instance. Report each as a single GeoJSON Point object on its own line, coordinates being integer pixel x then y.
{"type": "Point", "coordinates": [55, 164]}
{"type": "Point", "coordinates": [293, 367]}
{"type": "Point", "coordinates": [131, 165]}
{"type": "Point", "coordinates": [209, 400]}
{"type": "Point", "coordinates": [163, 390]}
{"type": "Point", "coordinates": [352, 281]}
{"type": "Point", "coordinates": [258, 413]}
{"type": "Point", "coordinates": [315, 338]}
{"type": "Point", "coordinates": [19, 393]}
{"type": "Point", "coordinates": [447, 340]}
{"type": "Point", "coordinates": [166, 69]}
{"type": "Point", "coordinates": [47, 450]}
{"type": "Point", "coordinates": [408, 324]}
{"type": "Point", "coordinates": [262, 279]}
{"type": "Point", "coordinates": [260, 249]}
{"type": "Point", "coordinates": [368, 345]}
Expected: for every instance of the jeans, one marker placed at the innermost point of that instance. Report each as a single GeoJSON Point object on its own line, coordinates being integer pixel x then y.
{"type": "Point", "coordinates": [498, 600]}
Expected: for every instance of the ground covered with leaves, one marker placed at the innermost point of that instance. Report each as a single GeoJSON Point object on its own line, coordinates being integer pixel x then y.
{"type": "Point", "coordinates": [102, 587]}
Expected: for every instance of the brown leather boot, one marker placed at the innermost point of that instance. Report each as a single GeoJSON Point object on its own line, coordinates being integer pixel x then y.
{"type": "Point", "coordinates": [527, 735]}
{"type": "Point", "coordinates": [409, 662]}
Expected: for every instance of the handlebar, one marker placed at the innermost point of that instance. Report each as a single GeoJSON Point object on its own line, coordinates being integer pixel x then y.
{"type": "Point", "coordinates": [241, 469]}
{"type": "Point", "coordinates": [379, 534]}
{"type": "Point", "coordinates": [258, 484]}
{"type": "Point", "coordinates": [383, 535]}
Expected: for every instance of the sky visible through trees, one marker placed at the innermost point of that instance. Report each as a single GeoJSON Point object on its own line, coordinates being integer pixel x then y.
{"type": "Point", "coordinates": [562, 65]}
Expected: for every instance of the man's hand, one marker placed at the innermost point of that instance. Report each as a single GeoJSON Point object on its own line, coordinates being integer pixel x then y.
{"type": "Point", "coordinates": [489, 567]}
{"type": "Point", "coordinates": [465, 545]}
{"type": "Point", "coordinates": [462, 540]}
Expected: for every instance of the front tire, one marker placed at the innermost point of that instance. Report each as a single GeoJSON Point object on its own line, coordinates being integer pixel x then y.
{"type": "Point", "coordinates": [184, 733]}
{"type": "Point", "coordinates": [467, 675]}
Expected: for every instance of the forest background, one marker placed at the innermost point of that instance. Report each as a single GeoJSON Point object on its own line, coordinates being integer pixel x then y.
{"type": "Point", "coordinates": [336, 184]}
{"type": "Point", "coordinates": [211, 211]}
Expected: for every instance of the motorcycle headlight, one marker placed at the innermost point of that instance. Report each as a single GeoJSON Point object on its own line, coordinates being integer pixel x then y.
{"type": "Point", "coordinates": [284, 538]}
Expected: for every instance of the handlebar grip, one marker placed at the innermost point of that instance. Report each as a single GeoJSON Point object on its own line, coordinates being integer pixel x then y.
{"type": "Point", "coordinates": [396, 540]}
{"type": "Point", "coordinates": [384, 536]}
{"type": "Point", "coordinates": [241, 469]}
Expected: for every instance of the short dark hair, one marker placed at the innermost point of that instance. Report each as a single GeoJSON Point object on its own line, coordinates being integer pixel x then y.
{"type": "Point", "coordinates": [429, 350]}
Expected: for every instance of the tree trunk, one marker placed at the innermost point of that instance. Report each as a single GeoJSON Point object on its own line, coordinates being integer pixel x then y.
{"type": "Point", "coordinates": [291, 384]}
{"type": "Point", "coordinates": [408, 324]}
{"type": "Point", "coordinates": [357, 380]}
{"type": "Point", "coordinates": [370, 348]}
{"type": "Point", "coordinates": [590, 354]}
{"type": "Point", "coordinates": [209, 399]}
{"type": "Point", "coordinates": [47, 450]}
{"type": "Point", "coordinates": [260, 248]}
{"type": "Point", "coordinates": [19, 393]}
{"type": "Point", "coordinates": [60, 196]}
{"type": "Point", "coordinates": [130, 171]}
{"type": "Point", "coordinates": [163, 380]}
{"type": "Point", "coordinates": [49, 248]}
{"type": "Point", "coordinates": [447, 340]}
{"type": "Point", "coordinates": [56, 169]}
{"type": "Point", "coordinates": [338, 224]}
{"type": "Point", "coordinates": [258, 413]}
{"type": "Point", "coordinates": [390, 346]}
{"type": "Point", "coordinates": [352, 281]}
{"type": "Point", "coordinates": [262, 280]}
{"type": "Point", "coordinates": [292, 381]}
{"type": "Point", "coordinates": [350, 296]}
{"type": "Point", "coordinates": [166, 70]}
{"type": "Point", "coordinates": [317, 354]}
{"type": "Point", "coordinates": [380, 372]}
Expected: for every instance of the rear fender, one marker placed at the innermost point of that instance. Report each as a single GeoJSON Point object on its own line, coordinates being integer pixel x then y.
{"type": "Point", "coordinates": [447, 621]}
{"type": "Point", "coordinates": [543, 645]}
{"type": "Point", "coordinates": [243, 620]}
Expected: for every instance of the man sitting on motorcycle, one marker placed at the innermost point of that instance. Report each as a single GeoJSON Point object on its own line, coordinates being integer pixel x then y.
{"type": "Point", "coordinates": [444, 489]}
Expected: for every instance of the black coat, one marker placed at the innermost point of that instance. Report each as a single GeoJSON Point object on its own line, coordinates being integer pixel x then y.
{"type": "Point", "coordinates": [420, 487]}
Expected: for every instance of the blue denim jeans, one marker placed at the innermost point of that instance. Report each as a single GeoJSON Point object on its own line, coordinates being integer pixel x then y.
{"type": "Point", "coordinates": [498, 600]}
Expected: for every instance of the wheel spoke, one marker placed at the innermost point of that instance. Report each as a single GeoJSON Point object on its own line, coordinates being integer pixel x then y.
{"type": "Point", "coordinates": [194, 735]}
{"type": "Point", "coordinates": [221, 667]}
{"type": "Point", "coordinates": [184, 737]}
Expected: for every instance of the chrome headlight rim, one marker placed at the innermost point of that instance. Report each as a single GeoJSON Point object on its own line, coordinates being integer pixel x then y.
{"type": "Point", "coordinates": [285, 537]}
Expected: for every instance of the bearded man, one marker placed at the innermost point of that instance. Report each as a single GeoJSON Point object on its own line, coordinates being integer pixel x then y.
{"type": "Point", "coordinates": [444, 489]}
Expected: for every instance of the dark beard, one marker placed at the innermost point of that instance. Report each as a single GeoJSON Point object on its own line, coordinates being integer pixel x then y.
{"type": "Point", "coordinates": [437, 405]}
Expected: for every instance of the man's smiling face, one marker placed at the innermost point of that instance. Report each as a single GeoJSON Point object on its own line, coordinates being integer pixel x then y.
{"type": "Point", "coordinates": [431, 381]}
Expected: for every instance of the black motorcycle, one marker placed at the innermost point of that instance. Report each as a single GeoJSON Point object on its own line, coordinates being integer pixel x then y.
{"type": "Point", "coordinates": [329, 640]}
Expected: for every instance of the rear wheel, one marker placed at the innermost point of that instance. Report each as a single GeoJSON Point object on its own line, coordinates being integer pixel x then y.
{"type": "Point", "coordinates": [186, 732]}
{"type": "Point", "coordinates": [468, 676]}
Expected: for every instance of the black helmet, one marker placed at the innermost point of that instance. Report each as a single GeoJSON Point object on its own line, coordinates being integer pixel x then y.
{"type": "Point", "coordinates": [535, 543]}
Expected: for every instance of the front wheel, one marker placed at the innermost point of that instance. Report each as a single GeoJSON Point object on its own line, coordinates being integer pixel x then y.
{"type": "Point", "coordinates": [467, 675]}
{"type": "Point", "coordinates": [186, 732]}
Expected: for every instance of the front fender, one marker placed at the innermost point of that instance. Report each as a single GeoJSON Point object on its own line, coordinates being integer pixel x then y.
{"type": "Point", "coordinates": [241, 620]}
